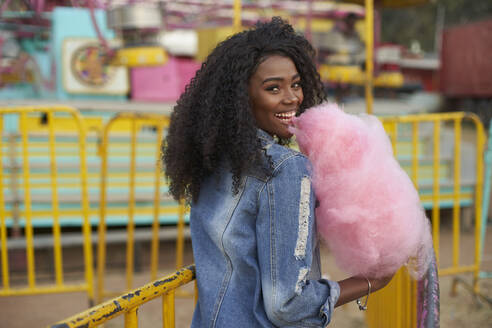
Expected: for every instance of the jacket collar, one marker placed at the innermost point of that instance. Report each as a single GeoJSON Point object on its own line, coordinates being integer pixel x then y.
{"type": "Point", "coordinates": [266, 140]}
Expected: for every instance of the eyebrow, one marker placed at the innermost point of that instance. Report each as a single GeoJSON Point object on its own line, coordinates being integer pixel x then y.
{"type": "Point", "coordinates": [279, 78]}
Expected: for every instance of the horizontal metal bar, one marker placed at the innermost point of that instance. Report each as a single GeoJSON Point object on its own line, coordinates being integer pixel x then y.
{"type": "Point", "coordinates": [105, 106]}
{"type": "Point", "coordinates": [112, 237]}
{"type": "Point", "coordinates": [75, 165]}
{"type": "Point", "coordinates": [424, 117]}
{"type": "Point", "coordinates": [457, 270]}
{"type": "Point", "coordinates": [44, 290]}
{"type": "Point", "coordinates": [75, 198]}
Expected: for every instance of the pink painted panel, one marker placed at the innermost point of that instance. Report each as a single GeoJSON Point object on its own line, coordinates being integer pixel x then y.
{"type": "Point", "coordinates": [162, 83]}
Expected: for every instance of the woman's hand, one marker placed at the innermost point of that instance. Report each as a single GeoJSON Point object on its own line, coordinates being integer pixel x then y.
{"type": "Point", "coordinates": [356, 287]}
{"type": "Point", "coordinates": [377, 284]}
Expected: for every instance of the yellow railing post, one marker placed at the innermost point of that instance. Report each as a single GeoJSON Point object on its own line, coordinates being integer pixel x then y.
{"type": "Point", "coordinates": [415, 153]}
{"type": "Point", "coordinates": [369, 30]}
{"type": "Point", "coordinates": [154, 254]}
{"type": "Point", "coordinates": [480, 139]}
{"type": "Point", "coordinates": [101, 243]}
{"type": "Point", "coordinates": [456, 192]}
{"type": "Point", "coordinates": [180, 236]}
{"type": "Point", "coordinates": [131, 319]}
{"type": "Point", "coordinates": [131, 208]}
{"type": "Point", "coordinates": [436, 188]}
{"type": "Point", "coordinates": [86, 226]}
{"type": "Point", "coordinates": [27, 203]}
{"type": "Point", "coordinates": [3, 228]}
{"type": "Point", "coordinates": [54, 203]}
{"type": "Point", "coordinates": [168, 311]}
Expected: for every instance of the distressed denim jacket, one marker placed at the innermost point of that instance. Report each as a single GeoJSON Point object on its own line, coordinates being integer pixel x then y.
{"type": "Point", "coordinates": [256, 251]}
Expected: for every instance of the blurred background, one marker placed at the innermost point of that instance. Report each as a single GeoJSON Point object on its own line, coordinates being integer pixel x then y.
{"type": "Point", "coordinates": [86, 91]}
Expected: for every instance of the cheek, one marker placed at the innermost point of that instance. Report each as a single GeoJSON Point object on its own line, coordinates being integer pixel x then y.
{"type": "Point", "coordinates": [266, 105]}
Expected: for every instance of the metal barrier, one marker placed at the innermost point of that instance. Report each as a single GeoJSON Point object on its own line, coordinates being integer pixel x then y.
{"type": "Point", "coordinates": [395, 305]}
{"type": "Point", "coordinates": [486, 200]}
{"type": "Point", "coordinates": [146, 175]}
{"type": "Point", "coordinates": [129, 303]}
{"type": "Point", "coordinates": [485, 210]}
{"type": "Point", "coordinates": [20, 210]}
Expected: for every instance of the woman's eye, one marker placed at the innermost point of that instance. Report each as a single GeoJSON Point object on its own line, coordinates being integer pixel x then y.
{"type": "Point", "coordinates": [273, 88]}
{"type": "Point", "coordinates": [296, 85]}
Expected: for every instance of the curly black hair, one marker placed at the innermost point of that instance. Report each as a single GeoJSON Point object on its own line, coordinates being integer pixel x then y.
{"type": "Point", "coordinates": [212, 120]}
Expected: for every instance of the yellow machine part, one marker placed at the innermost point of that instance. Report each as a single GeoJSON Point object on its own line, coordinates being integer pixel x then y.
{"type": "Point", "coordinates": [355, 75]}
{"type": "Point", "coordinates": [10, 78]}
{"type": "Point", "coordinates": [208, 38]}
{"type": "Point", "coordinates": [391, 3]}
{"type": "Point", "coordinates": [140, 56]}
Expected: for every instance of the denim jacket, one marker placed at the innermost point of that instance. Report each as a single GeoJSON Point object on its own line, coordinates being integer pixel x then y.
{"type": "Point", "coordinates": [256, 251]}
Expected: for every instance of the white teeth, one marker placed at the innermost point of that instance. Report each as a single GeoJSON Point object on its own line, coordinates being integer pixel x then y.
{"type": "Point", "coordinates": [284, 116]}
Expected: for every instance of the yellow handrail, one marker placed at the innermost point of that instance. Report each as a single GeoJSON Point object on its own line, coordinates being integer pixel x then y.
{"type": "Point", "coordinates": [128, 303]}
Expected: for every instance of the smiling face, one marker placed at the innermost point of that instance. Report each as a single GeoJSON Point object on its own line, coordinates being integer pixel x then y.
{"type": "Point", "coordinates": [275, 95]}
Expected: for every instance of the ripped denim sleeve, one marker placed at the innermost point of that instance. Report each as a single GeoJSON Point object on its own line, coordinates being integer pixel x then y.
{"type": "Point", "coordinates": [304, 212]}
{"type": "Point", "coordinates": [294, 292]}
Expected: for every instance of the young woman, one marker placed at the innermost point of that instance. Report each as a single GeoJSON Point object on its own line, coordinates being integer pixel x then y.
{"type": "Point", "coordinates": [252, 206]}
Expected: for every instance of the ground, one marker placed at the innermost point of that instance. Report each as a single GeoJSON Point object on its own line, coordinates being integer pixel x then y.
{"type": "Point", "coordinates": [462, 310]}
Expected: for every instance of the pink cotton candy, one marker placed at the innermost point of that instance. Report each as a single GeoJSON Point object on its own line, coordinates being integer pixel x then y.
{"type": "Point", "coordinates": [369, 212]}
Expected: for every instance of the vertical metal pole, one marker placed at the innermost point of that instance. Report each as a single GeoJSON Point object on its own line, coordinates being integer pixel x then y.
{"type": "Point", "coordinates": [154, 260]}
{"type": "Point", "coordinates": [101, 243]}
{"type": "Point", "coordinates": [54, 203]}
{"type": "Point", "coordinates": [180, 237]}
{"type": "Point", "coordinates": [237, 15]}
{"type": "Point", "coordinates": [413, 307]}
{"type": "Point", "coordinates": [415, 154]}
{"type": "Point", "coordinates": [308, 30]}
{"type": "Point", "coordinates": [456, 192]}
{"type": "Point", "coordinates": [408, 301]}
{"type": "Point", "coordinates": [168, 312]}
{"type": "Point", "coordinates": [14, 184]}
{"type": "Point", "coordinates": [399, 296]}
{"type": "Point", "coordinates": [27, 202]}
{"type": "Point", "coordinates": [394, 140]}
{"type": "Point", "coordinates": [369, 29]}
{"type": "Point", "coordinates": [3, 228]}
{"type": "Point", "coordinates": [436, 188]}
{"type": "Point", "coordinates": [486, 198]}
{"type": "Point", "coordinates": [131, 318]}
{"type": "Point", "coordinates": [86, 228]}
{"type": "Point", "coordinates": [131, 210]}
{"type": "Point", "coordinates": [478, 203]}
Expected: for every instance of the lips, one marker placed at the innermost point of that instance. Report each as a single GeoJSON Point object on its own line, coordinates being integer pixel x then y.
{"type": "Point", "coordinates": [285, 116]}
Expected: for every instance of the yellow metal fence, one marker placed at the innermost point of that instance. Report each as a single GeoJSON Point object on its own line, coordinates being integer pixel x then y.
{"type": "Point", "coordinates": [18, 211]}
{"type": "Point", "coordinates": [129, 303]}
{"type": "Point", "coordinates": [54, 174]}
{"type": "Point", "coordinates": [157, 200]}
{"type": "Point", "coordinates": [395, 305]}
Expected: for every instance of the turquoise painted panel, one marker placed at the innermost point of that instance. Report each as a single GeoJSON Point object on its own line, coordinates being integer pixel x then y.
{"type": "Point", "coordinates": [75, 22]}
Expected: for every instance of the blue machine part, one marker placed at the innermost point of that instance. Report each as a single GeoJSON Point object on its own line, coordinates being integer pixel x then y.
{"type": "Point", "coordinates": [71, 23]}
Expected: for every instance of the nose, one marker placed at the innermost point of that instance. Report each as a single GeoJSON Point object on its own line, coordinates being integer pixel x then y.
{"type": "Point", "coordinates": [291, 97]}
